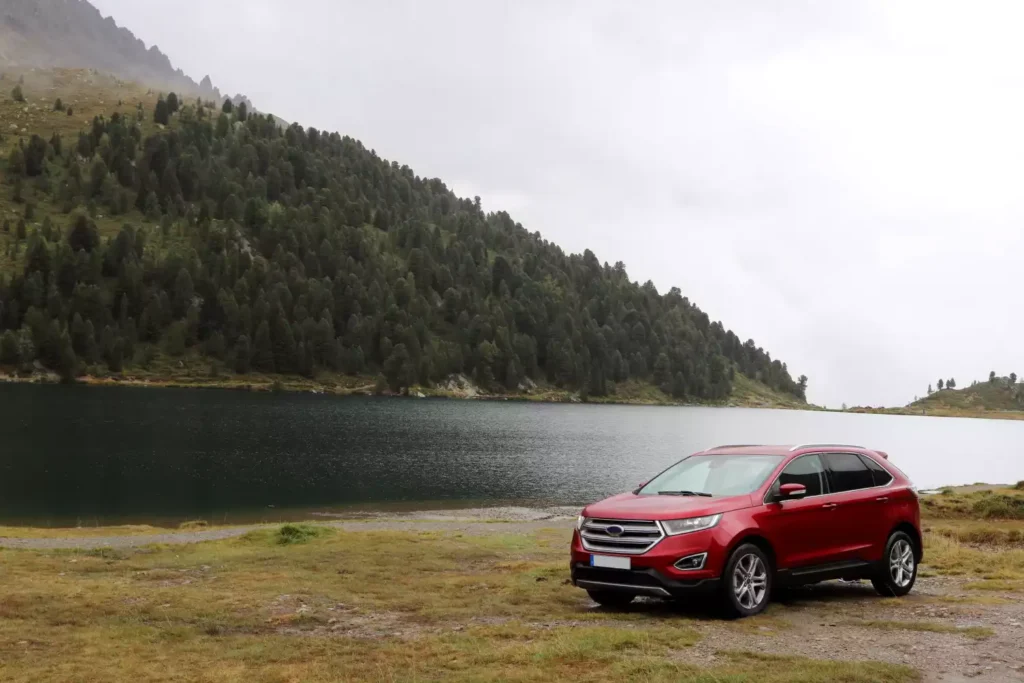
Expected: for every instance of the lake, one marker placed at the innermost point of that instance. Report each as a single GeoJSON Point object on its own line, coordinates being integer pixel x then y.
{"type": "Point", "coordinates": [102, 455]}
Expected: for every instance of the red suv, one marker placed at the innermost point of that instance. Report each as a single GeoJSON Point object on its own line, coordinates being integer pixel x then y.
{"type": "Point", "coordinates": [741, 520]}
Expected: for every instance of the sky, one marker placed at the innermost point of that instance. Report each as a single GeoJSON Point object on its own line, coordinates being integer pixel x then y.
{"type": "Point", "coordinates": [839, 181]}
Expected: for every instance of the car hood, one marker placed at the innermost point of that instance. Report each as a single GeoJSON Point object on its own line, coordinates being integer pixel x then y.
{"type": "Point", "coordinates": [632, 506]}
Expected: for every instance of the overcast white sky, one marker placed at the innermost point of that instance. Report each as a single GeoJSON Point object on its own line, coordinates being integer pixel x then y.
{"type": "Point", "coordinates": [840, 181]}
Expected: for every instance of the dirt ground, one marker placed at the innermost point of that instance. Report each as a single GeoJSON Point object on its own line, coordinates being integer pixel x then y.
{"type": "Point", "coordinates": [945, 631]}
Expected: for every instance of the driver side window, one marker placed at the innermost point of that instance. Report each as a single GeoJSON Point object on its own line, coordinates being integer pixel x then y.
{"type": "Point", "coordinates": [807, 470]}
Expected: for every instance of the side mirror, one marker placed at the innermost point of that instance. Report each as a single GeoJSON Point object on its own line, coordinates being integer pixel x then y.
{"type": "Point", "coordinates": [791, 491]}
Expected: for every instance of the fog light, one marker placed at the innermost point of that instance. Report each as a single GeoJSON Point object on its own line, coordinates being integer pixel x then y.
{"type": "Point", "coordinates": [692, 562]}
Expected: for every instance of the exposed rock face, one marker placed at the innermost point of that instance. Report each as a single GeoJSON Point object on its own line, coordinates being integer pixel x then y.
{"type": "Point", "coordinates": [73, 33]}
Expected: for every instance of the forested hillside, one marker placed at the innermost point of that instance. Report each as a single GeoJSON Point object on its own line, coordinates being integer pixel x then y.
{"type": "Point", "coordinates": [177, 228]}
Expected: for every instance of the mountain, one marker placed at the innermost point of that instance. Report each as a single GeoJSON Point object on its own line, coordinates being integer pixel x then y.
{"type": "Point", "coordinates": [152, 237]}
{"type": "Point", "coordinates": [73, 33]}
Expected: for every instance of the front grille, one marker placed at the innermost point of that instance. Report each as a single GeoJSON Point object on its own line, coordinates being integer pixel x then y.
{"type": "Point", "coordinates": [637, 536]}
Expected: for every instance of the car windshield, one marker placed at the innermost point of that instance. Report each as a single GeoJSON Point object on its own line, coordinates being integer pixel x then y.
{"type": "Point", "coordinates": [717, 475]}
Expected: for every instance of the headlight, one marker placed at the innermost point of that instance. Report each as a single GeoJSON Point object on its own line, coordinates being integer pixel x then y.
{"type": "Point", "coordinates": [674, 527]}
{"type": "Point", "coordinates": [579, 522]}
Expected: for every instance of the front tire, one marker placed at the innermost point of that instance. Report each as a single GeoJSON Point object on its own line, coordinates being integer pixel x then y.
{"type": "Point", "coordinates": [747, 581]}
{"type": "Point", "coordinates": [611, 599]}
{"type": "Point", "coordinates": [897, 571]}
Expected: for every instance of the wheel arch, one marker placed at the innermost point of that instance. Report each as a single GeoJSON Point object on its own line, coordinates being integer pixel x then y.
{"type": "Point", "coordinates": [910, 530]}
{"type": "Point", "coordinates": [759, 541]}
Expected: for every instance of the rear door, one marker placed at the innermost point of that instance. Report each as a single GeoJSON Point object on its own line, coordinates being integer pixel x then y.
{"type": "Point", "coordinates": [797, 529]}
{"type": "Point", "coordinates": [857, 515]}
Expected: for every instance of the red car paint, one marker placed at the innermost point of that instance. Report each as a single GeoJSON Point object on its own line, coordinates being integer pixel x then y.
{"type": "Point", "coordinates": [823, 532]}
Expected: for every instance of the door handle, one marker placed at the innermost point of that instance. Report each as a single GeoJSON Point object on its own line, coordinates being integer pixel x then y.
{"type": "Point", "coordinates": [882, 499]}
{"type": "Point", "coordinates": [830, 506]}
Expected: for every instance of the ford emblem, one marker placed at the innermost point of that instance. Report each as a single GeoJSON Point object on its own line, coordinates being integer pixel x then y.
{"type": "Point", "coordinates": [615, 530]}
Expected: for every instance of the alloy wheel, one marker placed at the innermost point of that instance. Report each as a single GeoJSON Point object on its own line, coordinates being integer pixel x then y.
{"type": "Point", "coordinates": [901, 563]}
{"type": "Point", "coordinates": [750, 581]}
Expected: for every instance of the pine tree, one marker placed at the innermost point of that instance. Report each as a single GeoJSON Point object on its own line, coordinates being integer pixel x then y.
{"type": "Point", "coordinates": [172, 103]}
{"type": "Point", "coordinates": [161, 114]}
{"type": "Point", "coordinates": [83, 235]}
{"type": "Point", "coordinates": [263, 352]}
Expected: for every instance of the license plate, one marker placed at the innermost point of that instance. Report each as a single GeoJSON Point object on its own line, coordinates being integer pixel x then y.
{"type": "Point", "coordinates": [610, 562]}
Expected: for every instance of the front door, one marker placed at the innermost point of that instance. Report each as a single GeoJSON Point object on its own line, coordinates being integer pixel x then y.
{"type": "Point", "coordinates": [799, 529]}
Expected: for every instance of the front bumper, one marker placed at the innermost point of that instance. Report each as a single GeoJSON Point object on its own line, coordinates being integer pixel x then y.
{"type": "Point", "coordinates": [638, 581]}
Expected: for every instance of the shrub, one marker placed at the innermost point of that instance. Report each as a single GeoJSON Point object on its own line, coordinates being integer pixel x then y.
{"type": "Point", "coordinates": [999, 506]}
{"type": "Point", "coordinates": [17, 94]}
{"type": "Point", "coordinates": [291, 534]}
{"type": "Point", "coordinates": [1020, 485]}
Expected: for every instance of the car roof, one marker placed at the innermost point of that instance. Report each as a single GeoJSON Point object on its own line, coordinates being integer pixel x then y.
{"type": "Point", "coordinates": [788, 449]}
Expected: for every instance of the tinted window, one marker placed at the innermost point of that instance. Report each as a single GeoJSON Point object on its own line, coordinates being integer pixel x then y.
{"type": "Point", "coordinates": [848, 473]}
{"type": "Point", "coordinates": [806, 470]}
{"type": "Point", "coordinates": [880, 474]}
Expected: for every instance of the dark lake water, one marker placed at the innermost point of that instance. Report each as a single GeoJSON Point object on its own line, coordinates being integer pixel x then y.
{"type": "Point", "coordinates": [89, 455]}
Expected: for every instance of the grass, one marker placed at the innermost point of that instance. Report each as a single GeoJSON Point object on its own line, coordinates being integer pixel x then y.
{"type": "Point", "coordinates": [362, 606]}
{"type": "Point", "coordinates": [991, 503]}
{"type": "Point", "coordinates": [995, 585]}
{"type": "Point", "coordinates": [290, 534]}
{"type": "Point", "coordinates": [975, 632]}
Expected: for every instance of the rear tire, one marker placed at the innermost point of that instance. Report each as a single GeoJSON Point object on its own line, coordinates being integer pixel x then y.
{"type": "Point", "coordinates": [897, 570]}
{"type": "Point", "coordinates": [611, 599]}
{"type": "Point", "coordinates": [747, 581]}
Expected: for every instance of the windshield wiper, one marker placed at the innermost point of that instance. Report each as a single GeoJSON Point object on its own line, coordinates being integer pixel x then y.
{"type": "Point", "coordinates": [684, 493]}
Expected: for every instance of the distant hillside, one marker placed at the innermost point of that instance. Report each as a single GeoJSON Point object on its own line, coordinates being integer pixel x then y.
{"type": "Point", "coordinates": [73, 33]}
{"type": "Point", "coordinates": [998, 397]}
{"type": "Point", "coordinates": [155, 239]}
{"type": "Point", "coordinates": [996, 394]}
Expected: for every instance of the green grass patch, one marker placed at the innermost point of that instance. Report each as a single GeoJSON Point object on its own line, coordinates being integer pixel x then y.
{"type": "Point", "coordinates": [290, 534]}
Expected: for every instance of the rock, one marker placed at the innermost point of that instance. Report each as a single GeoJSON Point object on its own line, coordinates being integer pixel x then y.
{"type": "Point", "coordinates": [419, 394]}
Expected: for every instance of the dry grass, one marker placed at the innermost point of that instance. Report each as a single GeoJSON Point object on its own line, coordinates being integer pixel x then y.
{"type": "Point", "coordinates": [347, 606]}
{"type": "Point", "coordinates": [975, 632]}
{"type": "Point", "coordinates": [952, 558]}
{"type": "Point", "coordinates": [991, 503]}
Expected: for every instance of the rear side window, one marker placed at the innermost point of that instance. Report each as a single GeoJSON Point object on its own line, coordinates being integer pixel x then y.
{"type": "Point", "coordinates": [880, 475]}
{"type": "Point", "coordinates": [806, 470]}
{"type": "Point", "coordinates": [848, 473]}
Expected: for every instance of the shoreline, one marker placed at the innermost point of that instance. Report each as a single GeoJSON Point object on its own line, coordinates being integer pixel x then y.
{"type": "Point", "coordinates": [366, 386]}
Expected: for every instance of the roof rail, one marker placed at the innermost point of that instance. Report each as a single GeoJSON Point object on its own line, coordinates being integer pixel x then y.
{"type": "Point", "coordinates": [822, 445]}
{"type": "Point", "coordinates": [734, 445]}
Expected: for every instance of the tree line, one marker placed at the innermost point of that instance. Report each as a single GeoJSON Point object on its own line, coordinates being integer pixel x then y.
{"type": "Point", "coordinates": [294, 250]}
